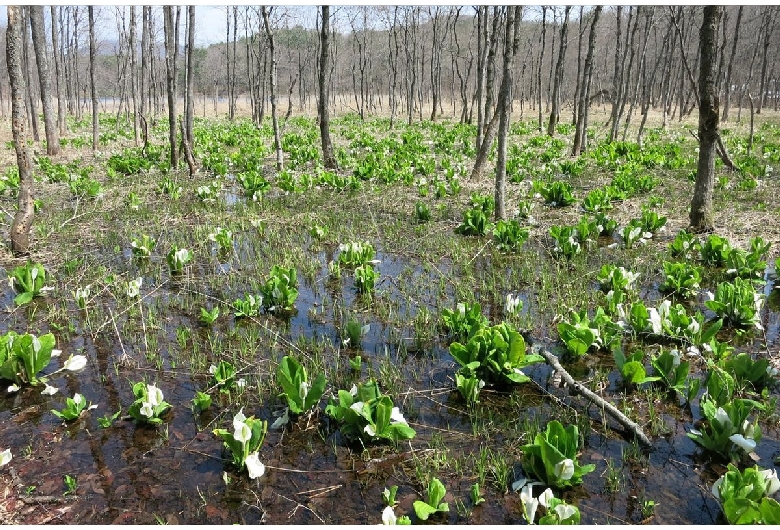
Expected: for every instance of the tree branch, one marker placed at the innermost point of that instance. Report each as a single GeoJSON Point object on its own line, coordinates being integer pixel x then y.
{"type": "Point", "coordinates": [577, 388]}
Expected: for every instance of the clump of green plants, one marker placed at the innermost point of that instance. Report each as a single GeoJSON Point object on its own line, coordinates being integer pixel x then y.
{"type": "Point", "coordinates": [302, 394]}
{"type": "Point", "coordinates": [422, 212]}
{"type": "Point", "coordinates": [247, 307]}
{"type": "Point", "coordinates": [208, 317]}
{"type": "Point", "coordinates": [672, 371]}
{"type": "Point", "coordinates": [177, 258]}
{"type": "Point", "coordinates": [728, 432]}
{"type": "Point", "coordinates": [365, 413]}
{"type": "Point", "coordinates": [223, 238]}
{"type": "Point", "coordinates": [746, 496]}
{"type": "Point", "coordinates": [681, 278]}
{"type": "Point", "coordinates": [73, 407]}
{"type": "Point", "coordinates": [557, 194]}
{"type": "Point", "coordinates": [737, 303]}
{"type": "Point", "coordinates": [566, 239]}
{"type": "Point", "coordinates": [509, 235]}
{"type": "Point", "coordinates": [556, 511]}
{"type": "Point", "coordinates": [28, 280]}
{"type": "Point", "coordinates": [356, 253]}
{"type": "Point", "coordinates": [475, 223]}
{"type": "Point", "coordinates": [254, 184]}
{"type": "Point", "coordinates": [597, 200]}
{"type": "Point", "coordinates": [223, 376]}
{"type": "Point", "coordinates": [143, 246]}
{"type": "Point", "coordinates": [23, 356]}
{"type": "Point", "coordinates": [581, 333]}
{"type": "Point", "coordinates": [631, 368]}
{"type": "Point", "coordinates": [244, 443]}
{"type": "Point", "coordinates": [552, 457]}
{"type": "Point", "coordinates": [612, 278]}
{"type": "Point", "coordinates": [365, 278]}
{"type": "Point", "coordinates": [684, 245]}
{"type": "Point", "coordinates": [436, 492]}
{"type": "Point", "coordinates": [464, 321]}
{"type": "Point", "coordinates": [280, 290]}
{"type": "Point", "coordinates": [715, 251]}
{"type": "Point", "coordinates": [495, 354]}
{"type": "Point", "coordinates": [149, 405]}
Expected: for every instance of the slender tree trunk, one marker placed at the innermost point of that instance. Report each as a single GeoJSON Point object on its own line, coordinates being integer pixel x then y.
{"type": "Point", "coordinates": [144, 60]}
{"type": "Point", "coordinates": [581, 131]}
{"type": "Point", "coordinates": [543, 40]}
{"type": "Point", "coordinates": [20, 228]}
{"type": "Point", "coordinates": [764, 56]}
{"type": "Point", "coordinates": [556, 95]}
{"type": "Point", "coordinates": [58, 72]}
{"type": "Point", "coordinates": [327, 147]}
{"type": "Point", "coordinates": [92, 84]}
{"type": "Point", "coordinates": [274, 118]}
{"type": "Point", "coordinates": [133, 75]}
{"type": "Point", "coordinates": [170, 51]}
{"type": "Point", "coordinates": [511, 42]}
{"type": "Point", "coordinates": [32, 102]}
{"type": "Point", "coordinates": [44, 78]}
{"type": "Point", "coordinates": [730, 66]}
{"type": "Point", "coordinates": [701, 215]}
{"type": "Point", "coordinates": [189, 108]}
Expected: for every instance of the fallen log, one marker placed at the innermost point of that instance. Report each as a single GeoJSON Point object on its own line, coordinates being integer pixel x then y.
{"type": "Point", "coordinates": [577, 388]}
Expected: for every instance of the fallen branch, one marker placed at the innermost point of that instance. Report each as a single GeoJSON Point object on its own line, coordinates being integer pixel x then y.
{"type": "Point", "coordinates": [577, 388]}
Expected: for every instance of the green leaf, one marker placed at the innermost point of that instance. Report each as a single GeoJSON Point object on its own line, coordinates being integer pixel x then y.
{"type": "Point", "coordinates": [23, 298]}
{"type": "Point", "coordinates": [424, 510]}
{"type": "Point", "coordinates": [436, 492]}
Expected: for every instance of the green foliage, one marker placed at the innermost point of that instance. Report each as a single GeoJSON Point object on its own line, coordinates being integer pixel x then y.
{"type": "Point", "coordinates": [436, 493]}
{"type": "Point", "coordinates": [244, 443]}
{"type": "Point", "coordinates": [464, 321]}
{"type": "Point", "coordinates": [301, 394]}
{"type": "Point", "coordinates": [248, 307]}
{"type": "Point", "coordinates": [177, 259]}
{"type": "Point", "coordinates": [223, 238]}
{"type": "Point", "coordinates": [671, 370]}
{"type": "Point", "coordinates": [86, 188]}
{"type": "Point", "coordinates": [684, 245]}
{"type": "Point", "coordinates": [422, 212]}
{"type": "Point", "coordinates": [201, 401]}
{"type": "Point", "coordinates": [681, 278]}
{"type": "Point", "coordinates": [552, 457]}
{"type": "Point", "coordinates": [633, 233]}
{"type": "Point", "coordinates": [353, 334]}
{"type": "Point", "coordinates": [142, 247]}
{"type": "Point", "coordinates": [728, 432]}
{"type": "Point", "coordinates": [73, 408]}
{"type": "Point", "coordinates": [597, 200]}
{"type": "Point", "coordinates": [107, 421]}
{"type": "Point", "coordinates": [757, 374]}
{"type": "Point", "coordinates": [631, 368]}
{"type": "Point", "coordinates": [486, 203]}
{"type": "Point", "coordinates": [469, 387]}
{"type": "Point", "coordinates": [557, 194]}
{"type": "Point", "coordinates": [280, 290]}
{"type": "Point", "coordinates": [366, 414]}
{"type": "Point", "coordinates": [650, 221]}
{"type": "Point", "coordinates": [355, 253]}
{"type": "Point", "coordinates": [149, 405]}
{"type": "Point", "coordinates": [746, 497]}
{"type": "Point", "coordinates": [566, 241]}
{"type": "Point", "coordinates": [209, 317]}
{"type": "Point", "coordinates": [509, 235]}
{"type": "Point", "coordinates": [737, 303]}
{"type": "Point", "coordinates": [23, 356]}
{"type": "Point", "coordinates": [475, 223]}
{"type": "Point", "coordinates": [612, 278]}
{"type": "Point", "coordinates": [365, 278]}
{"type": "Point", "coordinates": [715, 251]}
{"type": "Point", "coordinates": [581, 333]}
{"type": "Point", "coordinates": [28, 280]}
{"type": "Point", "coordinates": [223, 376]}
{"type": "Point", "coordinates": [495, 354]}
{"type": "Point", "coordinates": [254, 184]}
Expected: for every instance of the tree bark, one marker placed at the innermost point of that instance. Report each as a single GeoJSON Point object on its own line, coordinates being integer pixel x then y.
{"type": "Point", "coordinates": [274, 118]}
{"type": "Point", "coordinates": [701, 215]}
{"type": "Point", "coordinates": [189, 107]}
{"type": "Point", "coordinates": [93, 88]}
{"type": "Point", "coordinates": [556, 95]}
{"type": "Point", "coordinates": [58, 72]}
{"type": "Point", "coordinates": [511, 44]}
{"type": "Point", "coordinates": [32, 102]}
{"type": "Point", "coordinates": [170, 51]}
{"type": "Point", "coordinates": [730, 66]}
{"type": "Point", "coordinates": [20, 228]}
{"type": "Point", "coordinates": [133, 76]}
{"type": "Point", "coordinates": [580, 133]}
{"type": "Point", "coordinates": [44, 78]}
{"type": "Point", "coordinates": [322, 105]}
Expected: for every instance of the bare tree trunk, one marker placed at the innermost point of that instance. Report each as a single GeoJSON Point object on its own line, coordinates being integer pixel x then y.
{"type": "Point", "coordinates": [730, 66]}
{"type": "Point", "coordinates": [44, 78]}
{"type": "Point", "coordinates": [482, 50]}
{"type": "Point", "coordinates": [556, 95]}
{"type": "Point", "coordinates": [543, 40]}
{"type": "Point", "coordinates": [274, 118]}
{"type": "Point", "coordinates": [762, 82]}
{"type": "Point", "coordinates": [92, 84]}
{"type": "Point", "coordinates": [327, 146]}
{"type": "Point", "coordinates": [578, 85]}
{"type": "Point", "coordinates": [580, 133]}
{"type": "Point", "coordinates": [32, 102]}
{"type": "Point", "coordinates": [58, 73]}
{"type": "Point", "coordinates": [144, 61]}
{"type": "Point", "coordinates": [20, 228]}
{"type": "Point", "coordinates": [511, 44]}
{"type": "Point", "coordinates": [701, 216]}
{"type": "Point", "coordinates": [170, 51]}
{"type": "Point", "coordinates": [189, 104]}
{"type": "Point", "coordinates": [133, 75]}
